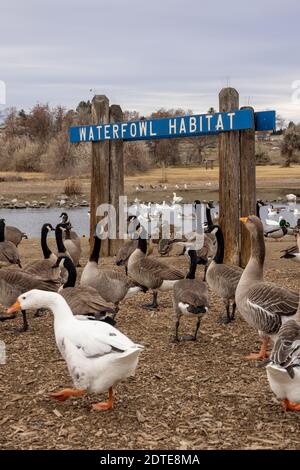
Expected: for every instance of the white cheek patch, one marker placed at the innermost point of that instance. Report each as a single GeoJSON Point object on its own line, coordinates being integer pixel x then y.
{"type": "Point", "coordinates": [184, 308]}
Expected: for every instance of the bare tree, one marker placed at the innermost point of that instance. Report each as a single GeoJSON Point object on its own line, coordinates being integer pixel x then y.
{"type": "Point", "coordinates": [291, 143]}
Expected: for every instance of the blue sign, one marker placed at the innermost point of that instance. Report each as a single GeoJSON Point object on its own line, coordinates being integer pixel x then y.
{"type": "Point", "coordinates": [180, 126]}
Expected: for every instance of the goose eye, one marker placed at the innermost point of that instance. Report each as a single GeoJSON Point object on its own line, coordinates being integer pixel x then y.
{"type": "Point", "coordinates": [23, 298]}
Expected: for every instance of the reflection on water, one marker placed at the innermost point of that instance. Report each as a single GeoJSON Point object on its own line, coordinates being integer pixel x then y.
{"type": "Point", "coordinates": [30, 220]}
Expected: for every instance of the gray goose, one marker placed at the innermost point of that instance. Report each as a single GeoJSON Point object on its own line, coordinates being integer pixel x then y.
{"type": "Point", "coordinates": [44, 268]}
{"type": "Point", "coordinates": [14, 235]}
{"type": "Point", "coordinates": [8, 251]}
{"type": "Point", "coordinates": [223, 278]}
{"type": "Point", "coordinates": [190, 299]}
{"type": "Point", "coordinates": [82, 300]}
{"type": "Point", "coordinates": [283, 369]}
{"type": "Point", "coordinates": [113, 286]}
{"type": "Point", "coordinates": [264, 305]}
{"type": "Point", "coordinates": [151, 273]}
{"type": "Point", "coordinates": [14, 282]}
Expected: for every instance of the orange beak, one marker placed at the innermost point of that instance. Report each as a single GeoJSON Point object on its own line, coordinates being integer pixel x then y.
{"type": "Point", "coordinates": [15, 307]}
{"type": "Point", "coordinates": [244, 219]}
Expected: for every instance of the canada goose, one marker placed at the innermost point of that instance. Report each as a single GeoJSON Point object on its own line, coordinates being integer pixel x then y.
{"type": "Point", "coordinates": [13, 282]}
{"type": "Point", "coordinates": [259, 204]}
{"type": "Point", "coordinates": [81, 300]}
{"type": "Point", "coordinates": [223, 278]}
{"type": "Point", "coordinates": [264, 305]}
{"type": "Point", "coordinates": [14, 235]}
{"type": "Point", "coordinates": [43, 268]}
{"type": "Point", "coordinates": [283, 369]}
{"type": "Point", "coordinates": [113, 286]}
{"type": "Point", "coordinates": [8, 251]}
{"type": "Point", "coordinates": [151, 273]}
{"type": "Point", "coordinates": [64, 219]}
{"type": "Point", "coordinates": [293, 252]}
{"type": "Point", "coordinates": [72, 245]}
{"type": "Point", "coordinates": [129, 246]}
{"type": "Point", "coordinates": [61, 249]}
{"type": "Point", "coordinates": [190, 298]}
{"type": "Point", "coordinates": [98, 356]}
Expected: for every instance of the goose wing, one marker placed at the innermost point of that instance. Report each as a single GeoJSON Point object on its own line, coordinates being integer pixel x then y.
{"type": "Point", "coordinates": [43, 269]}
{"type": "Point", "coordinates": [99, 338]}
{"type": "Point", "coordinates": [161, 270]}
{"type": "Point", "coordinates": [85, 300]}
{"type": "Point", "coordinates": [192, 292]}
{"type": "Point", "coordinates": [9, 253]}
{"type": "Point", "coordinates": [268, 303]}
{"type": "Point", "coordinates": [286, 350]}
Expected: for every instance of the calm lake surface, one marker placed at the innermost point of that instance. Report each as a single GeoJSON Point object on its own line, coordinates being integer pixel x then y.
{"type": "Point", "coordinates": [31, 220]}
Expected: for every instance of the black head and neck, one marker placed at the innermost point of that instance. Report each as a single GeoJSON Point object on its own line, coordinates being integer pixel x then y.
{"type": "Point", "coordinates": [193, 264]}
{"type": "Point", "coordinates": [219, 256]}
{"type": "Point", "coordinates": [59, 229]}
{"type": "Point", "coordinates": [64, 218]}
{"type": "Point", "coordinates": [142, 241]}
{"type": "Point", "coordinates": [66, 262]}
{"type": "Point", "coordinates": [2, 230]}
{"type": "Point", "coordinates": [46, 228]}
{"type": "Point", "coordinates": [209, 207]}
{"type": "Point", "coordinates": [95, 254]}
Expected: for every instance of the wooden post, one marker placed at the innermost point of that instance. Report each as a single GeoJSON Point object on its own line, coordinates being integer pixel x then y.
{"type": "Point", "coordinates": [247, 185]}
{"type": "Point", "coordinates": [100, 166]}
{"type": "Point", "coordinates": [116, 185]}
{"type": "Point", "coordinates": [229, 180]}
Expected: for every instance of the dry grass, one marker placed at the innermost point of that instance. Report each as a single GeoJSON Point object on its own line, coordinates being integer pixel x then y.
{"type": "Point", "coordinates": [73, 186]}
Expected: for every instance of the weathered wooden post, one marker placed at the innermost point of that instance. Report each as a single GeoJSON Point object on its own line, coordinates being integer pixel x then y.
{"type": "Point", "coordinates": [116, 175]}
{"type": "Point", "coordinates": [229, 180]}
{"type": "Point", "coordinates": [100, 166]}
{"type": "Point", "coordinates": [247, 185]}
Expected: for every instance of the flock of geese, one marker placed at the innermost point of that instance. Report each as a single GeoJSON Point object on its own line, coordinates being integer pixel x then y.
{"type": "Point", "coordinates": [97, 354]}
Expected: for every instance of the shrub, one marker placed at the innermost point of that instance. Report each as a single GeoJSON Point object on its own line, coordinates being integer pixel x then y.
{"type": "Point", "coordinates": [262, 158]}
{"type": "Point", "coordinates": [73, 186]}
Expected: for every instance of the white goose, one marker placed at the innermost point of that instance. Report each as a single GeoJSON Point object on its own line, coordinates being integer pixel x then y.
{"type": "Point", "coordinates": [283, 371]}
{"type": "Point", "coordinates": [98, 356]}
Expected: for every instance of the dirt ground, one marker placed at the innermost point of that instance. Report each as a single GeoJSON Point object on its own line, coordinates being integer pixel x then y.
{"type": "Point", "coordinates": [200, 395]}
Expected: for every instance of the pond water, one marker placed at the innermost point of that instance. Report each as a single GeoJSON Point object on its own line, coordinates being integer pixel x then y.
{"type": "Point", "coordinates": [30, 220]}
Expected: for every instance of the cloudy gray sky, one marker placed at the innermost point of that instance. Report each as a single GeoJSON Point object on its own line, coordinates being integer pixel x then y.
{"type": "Point", "coordinates": [148, 54]}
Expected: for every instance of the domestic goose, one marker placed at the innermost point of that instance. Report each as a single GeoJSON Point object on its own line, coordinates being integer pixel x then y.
{"type": "Point", "coordinates": [223, 278]}
{"type": "Point", "coordinates": [151, 273]}
{"type": "Point", "coordinates": [113, 286]}
{"type": "Point", "coordinates": [190, 299]}
{"type": "Point", "coordinates": [283, 370]}
{"type": "Point", "coordinates": [8, 251]}
{"type": "Point", "coordinates": [82, 300]}
{"type": "Point", "coordinates": [98, 356]}
{"type": "Point", "coordinates": [264, 305]}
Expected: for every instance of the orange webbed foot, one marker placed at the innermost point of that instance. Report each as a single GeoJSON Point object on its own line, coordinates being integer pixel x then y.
{"type": "Point", "coordinates": [66, 393]}
{"type": "Point", "coordinates": [105, 405]}
{"type": "Point", "coordinates": [259, 355]}
{"type": "Point", "coordinates": [289, 405]}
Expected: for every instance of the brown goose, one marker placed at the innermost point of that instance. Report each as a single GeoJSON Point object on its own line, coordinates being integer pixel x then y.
{"type": "Point", "coordinates": [264, 305]}
{"type": "Point", "coordinates": [14, 282]}
{"type": "Point", "coordinates": [8, 251]}
{"type": "Point", "coordinates": [14, 235]}
{"type": "Point", "coordinates": [113, 286]}
{"type": "Point", "coordinates": [82, 300]}
{"type": "Point", "coordinates": [190, 298]}
{"type": "Point", "coordinates": [222, 278]}
{"type": "Point", "coordinates": [151, 273]}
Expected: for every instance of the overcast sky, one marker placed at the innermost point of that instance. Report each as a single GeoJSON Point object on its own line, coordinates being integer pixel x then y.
{"type": "Point", "coordinates": [146, 54]}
